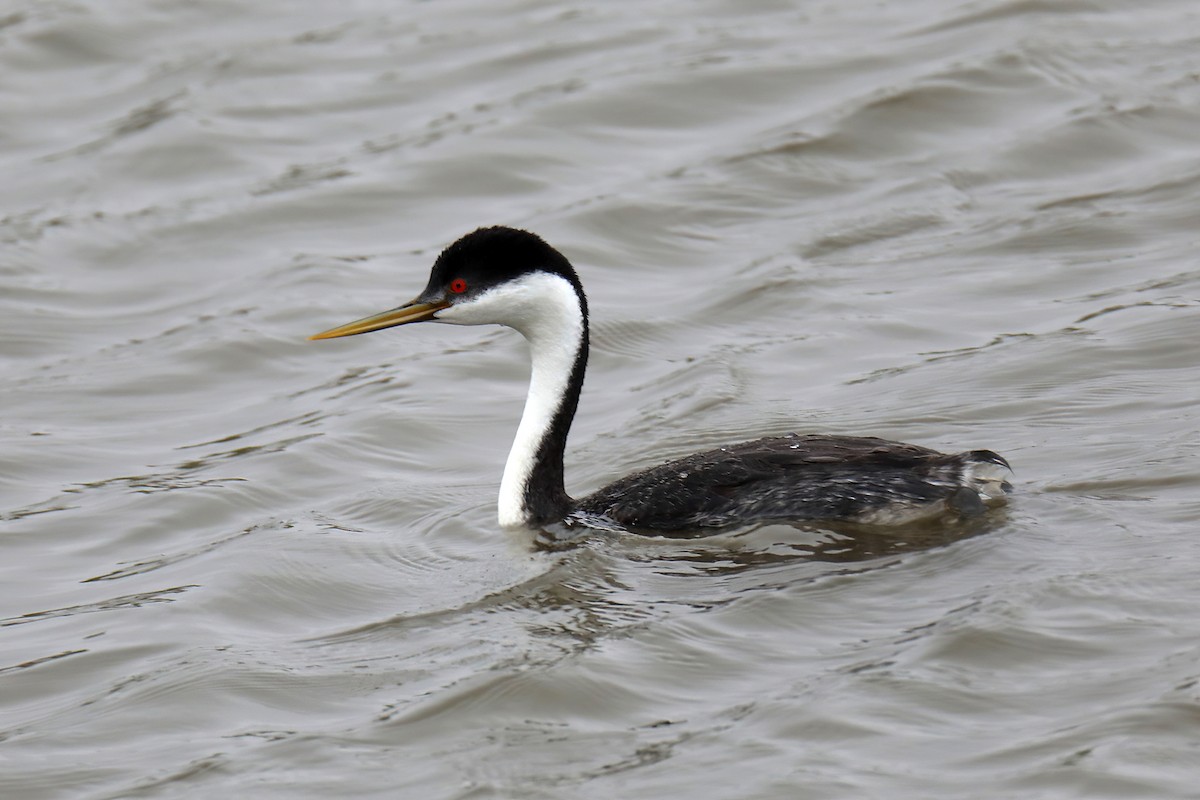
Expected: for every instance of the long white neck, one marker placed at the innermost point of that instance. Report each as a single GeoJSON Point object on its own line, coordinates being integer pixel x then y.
{"type": "Point", "coordinates": [546, 309]}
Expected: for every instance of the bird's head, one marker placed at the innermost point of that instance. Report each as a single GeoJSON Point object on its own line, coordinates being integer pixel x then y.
{"type": "Point", "coordinates": [498, 275]}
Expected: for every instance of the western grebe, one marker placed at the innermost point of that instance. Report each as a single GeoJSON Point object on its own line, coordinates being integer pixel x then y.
{"type": "Point", "coordinates": [511, 277]}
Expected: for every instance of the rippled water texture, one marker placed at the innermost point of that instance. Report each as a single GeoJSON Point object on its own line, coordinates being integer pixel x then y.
{"type": "Point", "coordinates": [237, 563]}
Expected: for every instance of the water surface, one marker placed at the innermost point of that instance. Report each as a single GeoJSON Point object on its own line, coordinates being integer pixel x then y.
{"type": "Point", "coordinates": [237, 561]}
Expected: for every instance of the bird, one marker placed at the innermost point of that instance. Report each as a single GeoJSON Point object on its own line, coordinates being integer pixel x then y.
{"type": "Point", "coordinates": [510, 277]}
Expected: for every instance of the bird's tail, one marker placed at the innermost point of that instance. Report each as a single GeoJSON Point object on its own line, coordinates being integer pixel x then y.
{"type": "Point", "coordinates": [988, 474]}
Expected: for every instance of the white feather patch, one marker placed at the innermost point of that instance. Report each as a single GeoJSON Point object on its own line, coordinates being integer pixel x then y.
{"type": "Point", "coordinates": [544, 308]}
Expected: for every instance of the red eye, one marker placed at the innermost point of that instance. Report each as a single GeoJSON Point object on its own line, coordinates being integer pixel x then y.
{"type": "Point", "coordinates": [458, 286]}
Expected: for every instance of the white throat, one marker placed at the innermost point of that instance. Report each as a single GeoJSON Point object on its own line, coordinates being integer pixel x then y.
{"type": "Point", "coordinates": [545, 309]}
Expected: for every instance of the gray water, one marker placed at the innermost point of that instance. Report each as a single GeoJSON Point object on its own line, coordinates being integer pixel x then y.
{"type": "Point", "coordinates": [237, 563]}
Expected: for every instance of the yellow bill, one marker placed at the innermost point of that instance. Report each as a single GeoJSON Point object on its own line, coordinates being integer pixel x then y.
{"type": "Point", "coordinates": [410, 312]}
